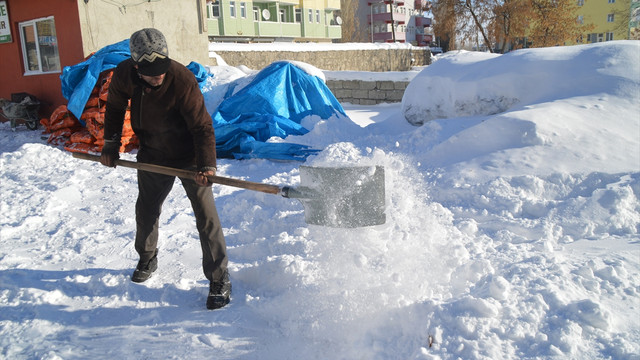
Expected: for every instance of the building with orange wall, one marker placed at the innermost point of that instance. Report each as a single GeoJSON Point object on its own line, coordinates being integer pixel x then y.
{"type": "Point", "coordinates": [22, 70]}
{"type": "Point", "coordinates": [38, 38]}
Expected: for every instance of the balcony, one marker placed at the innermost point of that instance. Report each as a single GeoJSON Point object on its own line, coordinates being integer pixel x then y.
{"type": "Point", "coordinates": [277, 29]}
{"type": "Point", "coordinates": [421, 5]}
{"type": "Point", "coordinates": [332, 4]}
{"type": "Point", "coordinates": [398, 17]}
{"type": "Point", "coordinates": [422, 21]}
{"type": "Point", "coordinates": [334, 32]}
{"type": "Point", "coordinates": [424, 39]}
{"type": "Point", "coordinates": [394, 2]}
{"type": "Point", "coordinates": [388, 37]}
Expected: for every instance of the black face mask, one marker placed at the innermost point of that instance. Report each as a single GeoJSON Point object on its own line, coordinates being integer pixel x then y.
{"type": "Point", "coordinates": [152, 87]}
{"type": "Point", "coordinates": [147, 85]}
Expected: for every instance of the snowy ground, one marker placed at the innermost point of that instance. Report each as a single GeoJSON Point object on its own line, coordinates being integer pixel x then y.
{"type": "Point", "coordinates": [513, 221]}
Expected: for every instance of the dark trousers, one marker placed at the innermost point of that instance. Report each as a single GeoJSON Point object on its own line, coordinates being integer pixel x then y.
{"type": "Point", "coordinates": [152, 191]}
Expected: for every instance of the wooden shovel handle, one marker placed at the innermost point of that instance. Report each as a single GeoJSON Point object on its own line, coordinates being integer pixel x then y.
{"type": "Point", "coordinates": [243, 184]}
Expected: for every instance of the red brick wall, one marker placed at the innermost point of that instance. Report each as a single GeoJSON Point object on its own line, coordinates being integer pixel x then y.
{"type": "Point", "coordinates": [47, 86]}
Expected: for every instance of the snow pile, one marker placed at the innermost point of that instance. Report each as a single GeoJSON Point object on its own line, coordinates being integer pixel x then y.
{"type": "Point", "coordinates": [508, 235]}
{"type": "Point", "coordinates": [470, 83]}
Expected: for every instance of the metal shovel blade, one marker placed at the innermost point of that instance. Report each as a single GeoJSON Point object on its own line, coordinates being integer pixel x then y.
{"type": "Point", "coordinates": [342, 197]}
{"type": "Point", "coordinates": [338, 197]}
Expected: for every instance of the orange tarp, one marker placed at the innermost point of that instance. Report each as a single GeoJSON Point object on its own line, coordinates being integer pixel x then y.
{"type": "Point", "coordinates": [66, 130]}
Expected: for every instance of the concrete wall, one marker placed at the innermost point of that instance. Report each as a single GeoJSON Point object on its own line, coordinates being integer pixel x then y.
{"type": "Point", "coordinates": [181, 21]}
{"type": "Point", "coordinates": [342, 60]}
{"type": "Point", "coordinates": [379, 60]}
{"type": "Point", "coordinates": [367, 92]}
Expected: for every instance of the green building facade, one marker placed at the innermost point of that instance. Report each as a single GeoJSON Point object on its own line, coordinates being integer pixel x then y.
{"type": "Point", "coordinates": [273, 20]}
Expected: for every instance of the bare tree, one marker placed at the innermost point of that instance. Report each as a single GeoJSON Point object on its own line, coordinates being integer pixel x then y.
{"type": "Point", "coordinates": [445, 23]}
{"type": "Point", "coordinates": [480, 13]}
{"type": "Point", "coordinates": [510, 23]}
{"type": "Point", "coordinates": [462, 20]}
{"type": "Point", "coordinates": [554, 23]}
{"type": "Point", "coordinates": [351, 31]}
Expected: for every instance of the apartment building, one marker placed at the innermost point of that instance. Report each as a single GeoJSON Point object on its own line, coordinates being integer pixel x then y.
{"type": "Point", "coordinates": [273, 20]}
{"type": "Point", "coordinates": [38, 38]}
{"type": "Point", "coordinates": [611, 19]}
{"type": "Point", "coordinates": [399, 21]}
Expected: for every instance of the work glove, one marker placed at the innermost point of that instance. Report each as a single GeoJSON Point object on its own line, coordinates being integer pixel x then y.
{"type": "Point", "coordinates": [201, 177]}
{"type": "Point", "coordinates": [110, 153]}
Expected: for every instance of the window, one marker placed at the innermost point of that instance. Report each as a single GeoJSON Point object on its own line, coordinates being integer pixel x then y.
{"type": "Point", "coordinates": [580, 2]}
{"type": "Point", "coordinates": [39, 46]}
{"type": "Point", "coordinates": [580, 19]}
{"type": "Point", "coordinates": [612, 1]}
{"type": "Point", "coordinates": [334, 17]}
{"type": "Point", "coordinates": [609, 36]}
{"type": "Point", "coordinates": [232, 8]}
{"type": "Point", "coordinates": [243, 10]}
{"type": "Point", "coordinates": [282, 17]}
{"type": "Point", "coordinates": [256, 13]}
{"type": "Point", "coordinates": [310, 15]}
{"type": "Point", "coordinates": [318, 16]}
{"type": "Point", "coordinates": [213, 9]}
{"type": "Point", "coordinates": [298, 15]}
{"type": "Point", "coordinates": [593, 37]}
{"type": "Point", "coordinates": [610, 17]}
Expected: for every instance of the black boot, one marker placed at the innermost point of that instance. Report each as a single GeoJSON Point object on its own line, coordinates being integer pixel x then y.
{"type": "Point", "coordinates": [219, 293]}
{"type": "Point", "coordinates": [144, 270]}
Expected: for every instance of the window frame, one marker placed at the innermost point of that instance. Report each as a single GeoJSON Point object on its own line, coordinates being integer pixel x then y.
{"type": "Point", "coordinates": [213, 8]}
{"type": "Point", "coordinates": [232, 9]}
{"type": "Point", "coordinates": [38, 52]}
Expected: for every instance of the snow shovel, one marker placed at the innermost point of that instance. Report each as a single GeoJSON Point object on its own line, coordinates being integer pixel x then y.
{"type": "Point", "coordinates": [346, 197]}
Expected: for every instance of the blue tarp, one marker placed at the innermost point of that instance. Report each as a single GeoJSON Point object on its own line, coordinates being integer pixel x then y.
{"type": "Point", "coordinates": [79, 80]}
{"type": "Point", "coordinates": [201, 73]}
{"type": "Point", "coordinates": [273, 104]}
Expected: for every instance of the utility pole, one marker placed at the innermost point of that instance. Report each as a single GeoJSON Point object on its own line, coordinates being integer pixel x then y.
{"type": "Point", "coordinates": [393, 27]}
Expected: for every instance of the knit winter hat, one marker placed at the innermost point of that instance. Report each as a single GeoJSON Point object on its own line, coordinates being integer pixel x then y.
{"type": "Point", "coordinates": [149, 50]}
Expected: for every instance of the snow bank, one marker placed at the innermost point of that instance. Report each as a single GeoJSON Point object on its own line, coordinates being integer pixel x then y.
{"type": "Point", "coordinates": [471, 83]}
{"type": "Point", "coordinates": [509, 235]}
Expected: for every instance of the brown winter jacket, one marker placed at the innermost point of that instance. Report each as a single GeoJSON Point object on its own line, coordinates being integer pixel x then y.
{"type": "Point", "coordinates": [171, 122]}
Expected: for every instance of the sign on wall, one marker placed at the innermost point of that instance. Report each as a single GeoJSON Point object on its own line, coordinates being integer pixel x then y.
{"type": "Point", "coordinates": [5, 27]}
